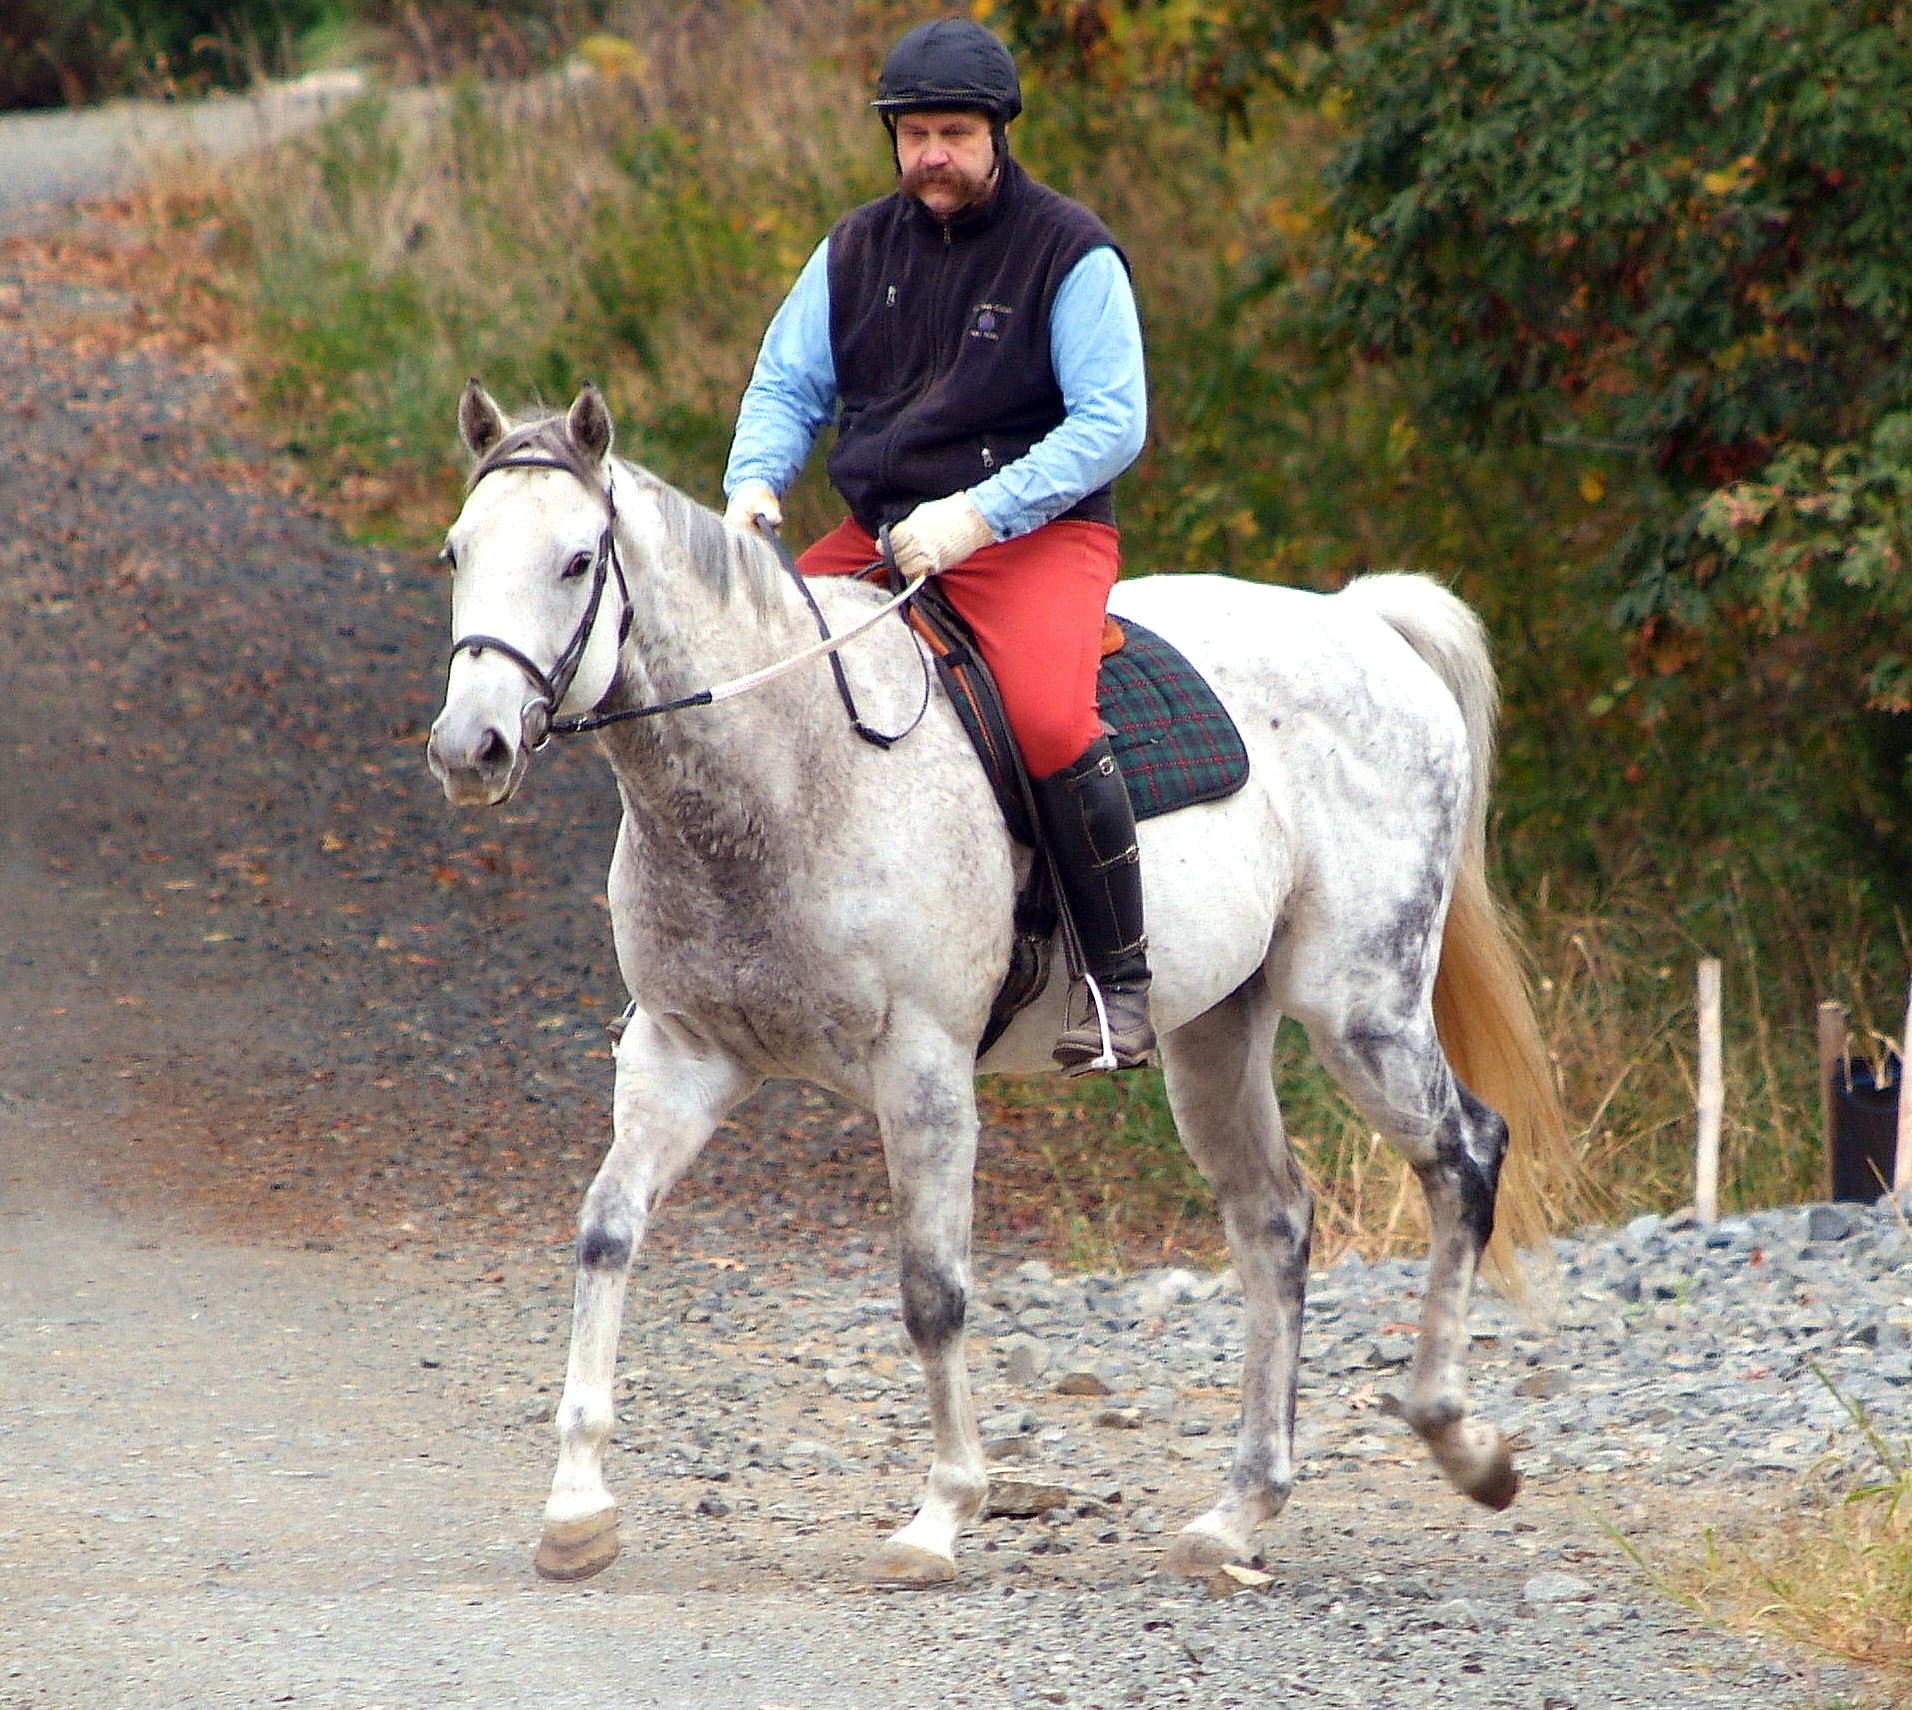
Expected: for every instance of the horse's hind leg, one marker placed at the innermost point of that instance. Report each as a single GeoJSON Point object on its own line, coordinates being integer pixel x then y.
{"type": "Point", "coordinates": [1221, 1090]}
{"type": "Point", "coordinates": [672, 1091]}
{"type": "Point", "coordinates": [927, 1111]}
{"type": "Point", "coordinates": [1399, 1078]}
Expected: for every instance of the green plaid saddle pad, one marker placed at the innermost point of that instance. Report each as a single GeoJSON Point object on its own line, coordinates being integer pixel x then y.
{"type": "Point", "coordinates": [1172, 738]}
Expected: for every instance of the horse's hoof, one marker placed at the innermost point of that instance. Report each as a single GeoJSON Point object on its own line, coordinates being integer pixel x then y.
{"type": "Point", "coordinates": [1476, 1460]}
{"type": "Point", "coordinates": [1488, 1474]}
{"type": "Point", "coordinates": [1198, 1553]}
{"type": "Point", "coordinates": [576, 1549]}
{"type": "Point", "coordinates": [895, 1564]}
{"type": "Point", "coordinates": [1498, 1487]}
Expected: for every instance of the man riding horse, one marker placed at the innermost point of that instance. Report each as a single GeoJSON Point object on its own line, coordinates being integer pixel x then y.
{"type": "Point", "coordinates": [974, 336]}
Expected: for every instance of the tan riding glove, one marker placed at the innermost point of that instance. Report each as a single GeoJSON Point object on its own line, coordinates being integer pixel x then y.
{"type": "Point", "coordinates": [752, 500]}
{"type": "Point", "coordinates": [938, 535]}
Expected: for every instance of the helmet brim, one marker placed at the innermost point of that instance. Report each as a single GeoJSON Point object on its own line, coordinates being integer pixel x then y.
{"type": "Point", "coordinates": [989, 108]}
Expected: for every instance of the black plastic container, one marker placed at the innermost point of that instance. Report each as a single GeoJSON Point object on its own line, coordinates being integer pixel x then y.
{"type": "Point", "coordinates": [1865, 1134]}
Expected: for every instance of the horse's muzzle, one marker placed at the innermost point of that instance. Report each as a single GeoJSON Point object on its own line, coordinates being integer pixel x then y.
{"type": "Point", "coordinates": [477, 763]}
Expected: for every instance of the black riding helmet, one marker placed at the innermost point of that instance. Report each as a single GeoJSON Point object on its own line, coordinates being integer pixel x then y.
{"type": "Point", "coordinates": [946, 65]}
{"type": "Point", "coordinates": [950, 65]}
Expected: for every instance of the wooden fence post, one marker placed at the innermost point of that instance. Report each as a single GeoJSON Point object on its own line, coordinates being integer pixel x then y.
{"type": "Point", "coordinates": [1902, 1153]}
{"type": "Point", "coordinates": [1712, 1097]}
{"type": "Point", "coordinates": [1832, 1074]}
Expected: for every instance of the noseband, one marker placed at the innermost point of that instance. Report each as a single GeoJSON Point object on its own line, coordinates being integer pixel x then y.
{"type": "Point", "coordinates": [554, 685]}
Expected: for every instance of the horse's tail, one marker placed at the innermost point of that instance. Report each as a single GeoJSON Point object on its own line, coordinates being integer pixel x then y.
{"type": "Point", "coordinates": [1483, 1008]}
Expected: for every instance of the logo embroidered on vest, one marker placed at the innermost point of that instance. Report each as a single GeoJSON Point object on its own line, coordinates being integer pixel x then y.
{"type": "Point", "coordinates": [987, 320]}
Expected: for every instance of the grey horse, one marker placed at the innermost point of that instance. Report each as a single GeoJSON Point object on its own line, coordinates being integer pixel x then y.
{"type": "Point", "coordinates": [790, 901]}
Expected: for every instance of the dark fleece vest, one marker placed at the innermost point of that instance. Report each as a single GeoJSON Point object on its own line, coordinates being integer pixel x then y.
{"type": "Point", "coordinates": [940, 333]}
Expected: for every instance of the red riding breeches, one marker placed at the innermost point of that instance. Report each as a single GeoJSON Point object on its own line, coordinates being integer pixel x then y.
{"type": "Point", "coordinates": [1036, 605]}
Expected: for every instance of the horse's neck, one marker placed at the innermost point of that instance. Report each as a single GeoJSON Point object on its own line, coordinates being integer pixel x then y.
{"type": "Point", "coordinates": [745, 771]}
{"type": "Point", "coordinates": [705, 605]}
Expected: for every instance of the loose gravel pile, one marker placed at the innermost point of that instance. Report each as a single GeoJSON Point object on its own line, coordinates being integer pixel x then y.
{"type": "Point", "coordinates": [1675, 1354]}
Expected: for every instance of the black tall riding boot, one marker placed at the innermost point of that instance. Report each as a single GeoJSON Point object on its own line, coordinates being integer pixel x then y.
{"type": "Point", "coordinates": [1090, 829]}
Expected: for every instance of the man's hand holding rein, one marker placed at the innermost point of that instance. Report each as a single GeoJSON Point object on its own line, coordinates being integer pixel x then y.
{"type": "Point", "coordinates": [938, 535]}
{"type": "Point", "coordinates": [754, 506]}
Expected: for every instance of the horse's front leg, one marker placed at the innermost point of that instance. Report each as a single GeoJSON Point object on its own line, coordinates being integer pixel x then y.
{"type": "Point", "coordinates": [928, 1118]}
{"type": "Point", "coordinates": [672, 1091]}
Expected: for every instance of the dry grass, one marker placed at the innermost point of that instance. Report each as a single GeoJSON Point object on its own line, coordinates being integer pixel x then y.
{"type": "Point", "coordinates": [1834, 1572]}
{"type": "Point", "coordinates": [635, 228]}
{"type": "Point", "coordinates": [1617, 1008]}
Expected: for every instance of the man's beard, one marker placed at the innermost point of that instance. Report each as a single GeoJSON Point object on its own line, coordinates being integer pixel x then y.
{"type": "Point", "coordinates": [971, 192]}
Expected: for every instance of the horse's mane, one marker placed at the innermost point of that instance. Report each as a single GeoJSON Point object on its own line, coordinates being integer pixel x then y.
{"type": "Point", "coordinates": [716, 554]}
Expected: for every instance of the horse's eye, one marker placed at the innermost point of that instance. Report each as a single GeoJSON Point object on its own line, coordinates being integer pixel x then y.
{"type": "Point", "coordinates": [580, 562]}
{"type": "Point", "coordinates": [448, 558]}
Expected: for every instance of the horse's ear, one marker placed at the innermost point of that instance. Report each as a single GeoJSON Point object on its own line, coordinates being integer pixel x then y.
{"type": "Point", "coordinates": [589, 424]}
{"type": "Point", "coordinates": [481, 424]}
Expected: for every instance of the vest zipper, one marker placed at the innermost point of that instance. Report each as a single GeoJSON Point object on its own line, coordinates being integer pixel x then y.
{"type": "Point", "coordinates": [940, 309]}
{"type": "Point", "coordinates": [886, 464]}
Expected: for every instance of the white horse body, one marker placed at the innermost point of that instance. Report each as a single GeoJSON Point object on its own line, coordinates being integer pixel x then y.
{"type": "Point", "coordinates": [789, 900]}
{"type": "Point", "coordinates": [1337, 713]}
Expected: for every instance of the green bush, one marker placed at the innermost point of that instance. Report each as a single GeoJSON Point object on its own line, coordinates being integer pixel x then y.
{"type": "Point", "coordinates": [1619, 296]}
{"type": "Point", "coordinates": [1676, 230]}
{"type": "Point", "coordinates": [54, 51]}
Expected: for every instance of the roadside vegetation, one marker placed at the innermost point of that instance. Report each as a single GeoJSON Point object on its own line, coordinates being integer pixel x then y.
{"type": "Point", "coordinates": [1832, 1569]}
{"type": "Point", "coordinates": [1682, 781]}
{"type": "Point", "coordinates": [68, 52]}
{"type": "Point", "coordinates": [64, 52]}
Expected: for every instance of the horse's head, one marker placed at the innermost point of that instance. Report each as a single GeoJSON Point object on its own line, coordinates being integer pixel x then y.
{"type": "Point", "coordinates": [537, 595]}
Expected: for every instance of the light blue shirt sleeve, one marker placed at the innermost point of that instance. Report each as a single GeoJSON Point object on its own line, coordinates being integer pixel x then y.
{"type": "Point", "coordinates": [1095, 347]}
{"type": "Point", "coordinates": [792, 395]}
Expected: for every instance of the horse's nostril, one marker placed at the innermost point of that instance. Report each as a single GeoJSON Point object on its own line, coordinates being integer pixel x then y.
{"type": "Point", "coordinates": [493, 750]}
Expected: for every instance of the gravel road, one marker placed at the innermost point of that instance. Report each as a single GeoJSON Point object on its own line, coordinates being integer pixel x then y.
{"type": "Point", "coordinates": [300, 1076]}
{"type": "Point", "coordinates": [49, 161]}
{"type": "Point", "coordinates": [238, 1473]}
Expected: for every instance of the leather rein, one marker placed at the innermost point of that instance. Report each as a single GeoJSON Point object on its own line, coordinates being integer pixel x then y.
{"type": "Point", "coordinates": [537, 714]}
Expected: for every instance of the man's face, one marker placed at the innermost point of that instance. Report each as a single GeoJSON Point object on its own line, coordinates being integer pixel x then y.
{"type": "Point", "coordinates": [947, 160]}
